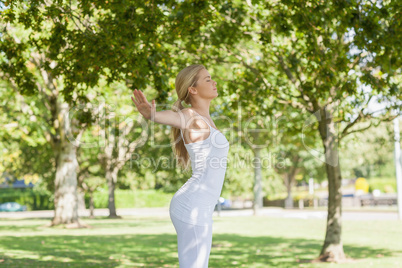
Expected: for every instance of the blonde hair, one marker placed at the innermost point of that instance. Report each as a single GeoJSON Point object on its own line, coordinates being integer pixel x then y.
{"type": "Point", "coordinates": [186, 78]}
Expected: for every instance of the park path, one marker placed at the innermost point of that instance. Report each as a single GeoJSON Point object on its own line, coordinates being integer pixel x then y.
{"type": "Point", "coordinates": [266, 211]}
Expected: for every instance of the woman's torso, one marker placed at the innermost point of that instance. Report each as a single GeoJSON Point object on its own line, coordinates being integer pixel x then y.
{"type": "Point", "coordinates": [195, 201]}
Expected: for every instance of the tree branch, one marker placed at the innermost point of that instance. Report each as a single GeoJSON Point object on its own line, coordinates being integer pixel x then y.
{"type": "Point", "coordinates": [294, 104]}
{"type": "Point", "coordinates": [297, 82]}
{"type": "Point", "coordinates": [344, 134]}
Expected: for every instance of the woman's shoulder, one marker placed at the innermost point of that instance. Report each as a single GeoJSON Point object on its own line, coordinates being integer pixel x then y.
{"type": "Point", "coordinates": [187, 110]}
{"type": "Point", "coordinates": [188, 113]}
{"type": "Point", "coordinates": [193, 120]}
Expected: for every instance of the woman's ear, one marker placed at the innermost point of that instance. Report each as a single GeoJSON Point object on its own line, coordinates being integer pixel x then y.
{"type": "Point", "coordinates": [192, 90]}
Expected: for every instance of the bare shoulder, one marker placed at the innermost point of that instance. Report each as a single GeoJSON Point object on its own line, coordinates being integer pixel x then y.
{"type": "Point", "coordinates": [193, 120]}
{"type": "Point", "coordinates": [188, 113]}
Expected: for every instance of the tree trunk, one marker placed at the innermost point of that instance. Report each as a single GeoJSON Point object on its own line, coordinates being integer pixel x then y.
{"type": "Point", "coordinates": [81, 200]}
{"type": "Point", "coordinates": [91, 204]}
{"type": "Point", "coordinates": [113, 164]}
{"type": "Point", "coordinates": [65, 196]}
{"type": "Point", "coordinates": [290, 179]}
{"type": "Point", "coordinates": [289, 198]}
{"type": "Point", "coordinates": [258, 198]}
{"type": "Point", "coordinates": [332, 249]}
{"type": "Point", "coordinates": [111, 177]}
{"type": "Point", "coordinates": [35, 205]}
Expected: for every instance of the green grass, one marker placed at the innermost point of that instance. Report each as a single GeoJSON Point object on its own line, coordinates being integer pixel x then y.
{"type": "Point", "coordinates": [237, 242]}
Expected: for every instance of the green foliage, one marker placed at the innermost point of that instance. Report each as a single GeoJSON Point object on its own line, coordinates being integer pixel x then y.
{"type": "Point", "coordinates": [274, 188]}
{"type": "Point", "coordinates": [29, 197]}
{"type": "Point", "coordinates": [131, 40]}
{"type": "Point", "coordinates": [384, 184]}
{"type": "Point", "coordinates": [272, 58]}
{"type": "Point", "coordinates": [132, 198]}
{"type": "Point", "coordinates": [23, 135]}
{"type": "Point", "coordinates": [369, 154]}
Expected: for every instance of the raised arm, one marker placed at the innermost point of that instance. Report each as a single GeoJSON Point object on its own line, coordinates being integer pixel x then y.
{"type": "Point", "coordinates": [171, 118]}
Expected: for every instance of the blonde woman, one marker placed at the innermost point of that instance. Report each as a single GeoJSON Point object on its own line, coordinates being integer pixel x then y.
{"type": "Point", "coordinates": [197, 140]}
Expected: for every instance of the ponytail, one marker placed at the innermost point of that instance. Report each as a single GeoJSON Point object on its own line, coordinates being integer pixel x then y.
{"type": "Point", "coordinates": [177, 106]}
{"type": "Point", "coordinates": [186, 78]}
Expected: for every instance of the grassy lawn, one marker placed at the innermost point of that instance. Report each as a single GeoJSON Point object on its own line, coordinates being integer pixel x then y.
{"type": "Point", "coordinates": [237, 242]}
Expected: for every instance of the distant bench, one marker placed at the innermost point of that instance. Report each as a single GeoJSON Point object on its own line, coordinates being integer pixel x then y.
{"type": "Point", "coordinates": [242, 203]}
{"type": "Point", "coordinates": [378, 200]}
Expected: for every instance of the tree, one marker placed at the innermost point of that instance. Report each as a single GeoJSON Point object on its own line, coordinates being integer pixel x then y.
{"type": "Point", "coordinates": [68, 46]}
{"type": "Point", "coordinates": [292, 141]}
{"type": "Point", "coordinates": [316, 59]}
{"type": "Point", "coordinates": [329, 59]}
{"type": "Point", "coordinates": [26, 66]}
{"type": "Point", "coordinates": [119, 144]}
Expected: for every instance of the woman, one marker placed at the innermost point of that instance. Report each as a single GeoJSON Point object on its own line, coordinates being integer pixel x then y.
{"type": "Point", "coordinates": [192, 206]}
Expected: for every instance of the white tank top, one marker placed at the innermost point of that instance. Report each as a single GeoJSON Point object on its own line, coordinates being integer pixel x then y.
{"type": "Point", "coordinates": [195, 201]}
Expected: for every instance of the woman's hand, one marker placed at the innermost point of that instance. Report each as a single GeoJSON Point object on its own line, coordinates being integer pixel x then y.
{"type": "Point", "coordinates": [143, 106]}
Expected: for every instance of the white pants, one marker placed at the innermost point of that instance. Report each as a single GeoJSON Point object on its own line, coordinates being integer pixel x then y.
{"type": "Point", "coordinates": [193, 243]}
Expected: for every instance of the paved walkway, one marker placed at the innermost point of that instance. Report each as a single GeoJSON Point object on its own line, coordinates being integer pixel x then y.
{"type": "Point", "coordinates": [266, 211]}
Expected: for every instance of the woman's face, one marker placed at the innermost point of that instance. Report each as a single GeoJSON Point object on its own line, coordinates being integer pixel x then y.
{"type": "Point", "coordinates": [206, 87]}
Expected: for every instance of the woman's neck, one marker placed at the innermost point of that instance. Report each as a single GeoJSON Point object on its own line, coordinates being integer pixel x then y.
{"type": "Point", "coordinates": [202, 109]}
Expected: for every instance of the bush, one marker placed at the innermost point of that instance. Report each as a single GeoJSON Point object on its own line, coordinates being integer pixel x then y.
{"type": "Point", "coordinates": [124, 198]}
{"type": "Point", "coordinates": [28, 197]}
{"type": "Point", "coordinates": [131, 198]}
{"type": "Point", "coordinates": [385, 185]}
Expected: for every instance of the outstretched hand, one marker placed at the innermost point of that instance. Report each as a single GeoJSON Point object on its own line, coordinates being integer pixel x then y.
{"type": "Point", "coordinates": [143, 106]}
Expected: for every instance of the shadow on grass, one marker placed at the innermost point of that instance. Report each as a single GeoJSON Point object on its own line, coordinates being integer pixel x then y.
{"type": "Point", "coordinates": [280, 252]}
{"type": "Point", "coordinates": [98, 250]}
{"type": "Point", "coordinates": [160, 250]}
{"type": "Point", "coordinates": [96, 222]}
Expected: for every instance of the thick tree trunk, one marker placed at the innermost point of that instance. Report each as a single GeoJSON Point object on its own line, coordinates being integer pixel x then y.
{"type": "Point", "coordinates": [258, 198]}
{"type": "Point", "coordinates": [111, 177]}
{"type": "Point", "coordinates": [332, 249]}
{"type": "Point", "coordinates": [65, 196]}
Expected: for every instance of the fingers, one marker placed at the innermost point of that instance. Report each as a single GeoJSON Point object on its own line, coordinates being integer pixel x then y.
{"type": "Point", "coordinates": [142, 96]}
{"type": "Point", "coordinates": [139, 96]}
{"type": "Point", "coordinates": [135, 102]}
{"type": "Point", "coordinates": [138, 100]}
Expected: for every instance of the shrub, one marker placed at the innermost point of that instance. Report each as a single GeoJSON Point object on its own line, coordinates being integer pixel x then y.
{"type": "Point", "coordinates": [131, 198]}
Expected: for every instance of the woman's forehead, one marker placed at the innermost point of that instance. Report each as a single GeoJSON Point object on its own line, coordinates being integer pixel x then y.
{"type": "Point", "coordinates": [204, 73]}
